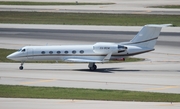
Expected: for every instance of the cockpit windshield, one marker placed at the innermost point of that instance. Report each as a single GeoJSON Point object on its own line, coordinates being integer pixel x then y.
{"type": "Point", "coordinates": [21, 50]}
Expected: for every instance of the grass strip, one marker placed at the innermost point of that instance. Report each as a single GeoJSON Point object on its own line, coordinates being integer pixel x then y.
{"type": "Point", "coordinates": [49, 3]}
{"type": "Point", "coordinates": [167, 6]}
{"type": "Point", "coordinates": [10, 91]}
{"type": "Point", "coordinates": [6, 52]}
{"type": "Point", "coordinates": [86, 18]}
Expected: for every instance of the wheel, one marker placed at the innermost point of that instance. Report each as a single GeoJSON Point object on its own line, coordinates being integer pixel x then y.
{"type": "Point", "coordinates": [93, 68]}
{"type": "Point", "coordinates": [21, 68]}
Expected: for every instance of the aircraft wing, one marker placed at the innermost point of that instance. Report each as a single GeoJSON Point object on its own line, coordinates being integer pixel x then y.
{"type": "Point", "coordinates": [106, 59]}
{"type": "Point", "coordinates": [81, 60]}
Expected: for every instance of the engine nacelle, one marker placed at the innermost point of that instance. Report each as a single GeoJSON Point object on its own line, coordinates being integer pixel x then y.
{"type": "Point", "coordinates": [105, 48]}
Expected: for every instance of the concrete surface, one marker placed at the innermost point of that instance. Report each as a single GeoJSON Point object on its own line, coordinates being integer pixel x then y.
{"type": "Point", "coordinates": [139, 76]}
{"type": "Point", "coordinates": [82, 27]}
{"type": "Point", "coordinates": [120, 7]}
{"type": "Point", "coordinates": [19, 103]}
{"type": "Point", "coordinates": [23, 35]}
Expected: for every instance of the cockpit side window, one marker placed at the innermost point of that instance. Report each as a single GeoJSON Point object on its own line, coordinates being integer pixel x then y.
{"type": "Point", "coordinates": [23, 50]}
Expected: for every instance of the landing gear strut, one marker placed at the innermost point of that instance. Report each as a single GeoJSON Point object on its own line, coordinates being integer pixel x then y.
{"type": "Point", "coordinates": [21, 67]}
{"type": "Point", "coordinates": [92, 66]}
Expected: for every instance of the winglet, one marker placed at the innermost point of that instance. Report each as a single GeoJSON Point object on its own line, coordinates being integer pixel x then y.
{"type": "Point", "coordinates": [107, 58]}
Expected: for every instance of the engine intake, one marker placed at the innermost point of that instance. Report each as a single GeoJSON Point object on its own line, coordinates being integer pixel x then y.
{"type": "Point", "coordinates": [121, 48]}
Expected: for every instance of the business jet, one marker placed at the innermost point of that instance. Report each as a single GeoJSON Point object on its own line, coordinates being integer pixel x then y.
{"type": "Point", "coordinates": [99, 52]}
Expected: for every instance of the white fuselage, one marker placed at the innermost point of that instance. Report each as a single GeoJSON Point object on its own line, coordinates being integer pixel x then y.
{"type": "Point", "coordinates": [39, 53]}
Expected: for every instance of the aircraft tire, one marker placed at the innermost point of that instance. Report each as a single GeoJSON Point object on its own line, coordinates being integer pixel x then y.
{"type": "Point", "coordinates": [21, 68]}
{"type": "Point", "coordinates": [93, 68]}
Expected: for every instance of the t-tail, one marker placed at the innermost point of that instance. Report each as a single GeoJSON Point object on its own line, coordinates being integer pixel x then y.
{"type": "Point", "coordinates": [147, 37]}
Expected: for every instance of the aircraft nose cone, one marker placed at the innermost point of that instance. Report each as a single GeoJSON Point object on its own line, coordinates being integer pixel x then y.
{"type": "Point", "coordinates": [15, 56]}
{"type": "Point", "coordinates": [9, 56]}
{"type": "Point", "coordinates": [12, 56]}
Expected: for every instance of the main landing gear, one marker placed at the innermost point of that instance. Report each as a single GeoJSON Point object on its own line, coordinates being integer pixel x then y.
{"type": "Point", "coordinates": [21, 67]}
{"type": "Point", "coordinates": [92, 66]}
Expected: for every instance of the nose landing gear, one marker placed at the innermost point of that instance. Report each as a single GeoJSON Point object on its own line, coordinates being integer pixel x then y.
{"type": "Point", "coordinates": [21, 67]}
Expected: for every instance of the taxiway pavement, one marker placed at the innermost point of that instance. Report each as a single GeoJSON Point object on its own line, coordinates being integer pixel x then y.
{"type": "Point", "coordinates": [24, 34]}
{"type": "Point", "coordinates": [120, 7]}
{"type": "Point", "coordinates": [19, 103]}
{"type": "Point", "coordinates": [140, 76]}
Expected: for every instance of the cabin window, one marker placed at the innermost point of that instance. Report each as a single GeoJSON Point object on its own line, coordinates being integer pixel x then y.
{"type": "Point", "coordinates": [66, 52]}
{"type": "Point", "coordinates": [23, 50]}
{"type": "Point", "coordinates": [50, 52]}
{"type": "Point", "coordinates": [43, 52]}
{"type": "Point", "coordinates": [73, 51]}
{"type": "Point", "coordinates": [58, 52]}
{"type": "Point", "coordinates": [81, 51]}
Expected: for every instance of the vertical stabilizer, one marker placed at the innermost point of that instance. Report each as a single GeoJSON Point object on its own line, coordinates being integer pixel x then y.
{"type": "Point", "coordinates": [148, 36]}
